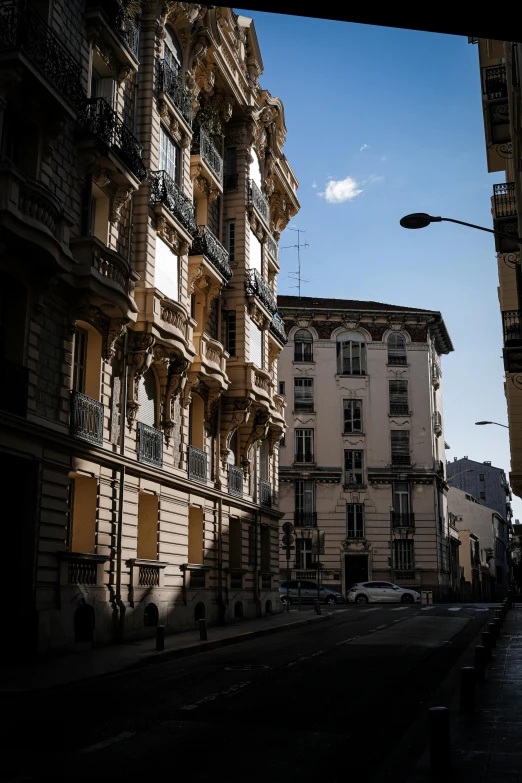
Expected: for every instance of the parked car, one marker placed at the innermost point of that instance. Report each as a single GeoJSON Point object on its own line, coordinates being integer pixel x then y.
{"type": "Point", "coordinates": [370, 592]}
{"type": "Point", "coordinates": [309, 593]}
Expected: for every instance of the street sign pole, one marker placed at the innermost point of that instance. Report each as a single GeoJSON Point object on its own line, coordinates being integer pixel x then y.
{"type": "Point", "coordinates": [288, 540]}
{"type": "Point", "coordinates": [288, 579]}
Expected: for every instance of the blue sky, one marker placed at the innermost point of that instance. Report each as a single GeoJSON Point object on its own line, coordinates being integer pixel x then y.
{"type": "Point", "coordinates": [384, 122]}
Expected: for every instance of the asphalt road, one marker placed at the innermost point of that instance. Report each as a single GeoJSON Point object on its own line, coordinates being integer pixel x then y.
{"type": "Point", "coordinates": [324, 702]}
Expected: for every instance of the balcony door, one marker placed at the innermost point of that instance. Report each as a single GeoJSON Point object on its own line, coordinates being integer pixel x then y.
{"type": "Point", "coordinates": [304, 503]}
{"type": "Point", "coordinates": [169, 156]}
{"type": "Point", "coordinates": [401, 499]}
{"type": "Point", "coordinates": [147, 399]}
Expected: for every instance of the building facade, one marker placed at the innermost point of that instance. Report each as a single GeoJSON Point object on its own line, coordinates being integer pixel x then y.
{"type": "Point", "coordinates": [500, 78]}
{"type": "Point", "coordinates": [488, 484]}
{"type": "Point", "coordinates": [143, 188]}
{"type": "Point", "coordinates": [362, 467]}
{"type": "Point", "coordinates": [490, 533]}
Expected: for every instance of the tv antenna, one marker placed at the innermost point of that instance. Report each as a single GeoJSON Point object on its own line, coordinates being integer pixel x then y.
{"type": "Point", "coordinates": [297, 277]}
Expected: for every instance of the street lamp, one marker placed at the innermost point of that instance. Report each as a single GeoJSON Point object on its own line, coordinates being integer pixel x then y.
{"type": "Point", "coordinates": [492, 422]}
{"type": "Point", "coordinates": [469, 470]}
{"type": "Point", "coordinates": [421, 220]}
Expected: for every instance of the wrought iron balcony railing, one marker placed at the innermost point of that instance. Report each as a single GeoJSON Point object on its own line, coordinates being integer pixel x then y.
{"type": "Point", "coordinates": [402, 519]}
{"type": "Point", "coordinates": [305, 518]}
{"type": "Point", "coordinates": [512, 327]}
{"type": "Point", "coordinates": [149, 445]}
{"type": "Point", "coordinates": [197, 464]}
{"type": "Point", "coordinates": [257, 200]}
{"type": "Point", "coordinates": [163, 190]}
{"type": "Point", "coordinates": [99, 119]}
{"type": "Point", "coordinates": [22, 28]}
{"type": "Point", "coordinates": [207, 244]}
{"type": "Point", "coordinates": [197, 578]}
{"type": "Point", "coordinates": [203, 145]}
{"type": "Point", "coordinates": [256, 286]}
{"type": "Point", "coordinates": [170, 82]}
{"type": "Point", "coordinates": [277, 327]}
{"type": "Point", "coordinates": [494, 82]}
{"type": "Point", "coordinates": [504, 200]}
{"type": "Point", "coordinates": [272, 248]}
{"type": "Point", "coordinates": [235, 481]}
{"type": "Point", "coordinates": [120, 21]}
{"type": "Point", "coordinates": [86, 418]}
{"type": "Point", "coordinates": [265, 493]}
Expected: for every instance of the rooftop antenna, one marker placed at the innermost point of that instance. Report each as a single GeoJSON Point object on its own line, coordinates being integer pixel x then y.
{"type": "Point", "coordinates": [297, 277]}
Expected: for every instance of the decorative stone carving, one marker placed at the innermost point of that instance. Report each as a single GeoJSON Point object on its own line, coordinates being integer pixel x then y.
{"type": "Point", "coordinates": [175, 386]}
{"type": "Point", "coordinates": [418, 334]}
{"type": "Point", "coordinates": [116, 329]}
{"type": "Point", "coordinates": [193, 382]}
{"type": "Point", "coordinates": [195, 275]}
{"type": "Point", "coordinates": [258, 432]}
{"type": "Point", "coordinates": [118, 202]}
{"type": "Point", "coordinates": [140, 355]}
{"type": "Point", "coordinates": [235, 413]}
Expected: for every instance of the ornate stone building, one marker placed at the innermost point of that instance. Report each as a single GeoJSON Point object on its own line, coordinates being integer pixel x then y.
{"type": "Point", "coordinates": [362, 470]}
{"type": "Point", "coordinates": [143, 188]}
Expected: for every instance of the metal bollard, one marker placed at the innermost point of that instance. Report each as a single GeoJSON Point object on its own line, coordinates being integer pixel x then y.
{"type": "Point", "coordinates": [440, 744]}
{"type": "Point", "coordinates": [467, 689]}
{"type": "Point", "coordinates": [202, 629]}
{"type": "Point", "coordinates": [493, 634]}
{"type": "Point", "coordinates": [317, 607]}
{"type": "Point", "coordinates": [480, 663]}
{"type": "Point", "coordinates": [486, 643]}
{"type": "Point", "coordinates": [160, 637]}
{"type": "Point", "coordinates": [299, 595]}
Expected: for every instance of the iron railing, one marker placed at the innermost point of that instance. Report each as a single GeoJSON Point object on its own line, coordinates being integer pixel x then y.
{"type": "Point", "coordinates": [265, 493]}
{"type": "Point", "coordinates": [512, 327]}
{"type": "Point", "coordinates": [99, 119]}
{"type": "Point", "coordinates": [403, 519]}
{"type": "Point", "coordinates": [257, 200]}
{"type": "Point", "coordinates": [148, 576]}
{"type": "Point", "coordinates": [197, 578]}
{"type": "Point", "coordinates": [504, 200]}
{"type": "Point", "coordinates": [203, 145]}
{"type": "Point", "coordinates": [277, 327]}
{"type": "Point", "coordinates": [405, 575]}
{"type": "Point", "coordinates": [149, 445]}
{"type": "Point", "coordinates": [208, 245]}
{"type": "Point", "coordinates": [494, 82]}
{"type": "Point", "coordinates": [86, 418]}
{"type": "Point", "coordinates": [305, 518]}
{"type": "Point", "coordinates": [163, 190]}
{"type": "Point", "coordinates": [119, 19]}
{"type": "Point", "coordinates": [235, 481]}
{"type": "Point", "coordinates": [81, 572]}
{"type": "Point", "coordinates": [197, 464]}
{"type": "Point", "coordinates": [22, 28]}
{"type": "Point", "coordinates": [272, 248]}
{"type": "Point", "coordinates": [170, 82]}
{"type": "Point", "coordinates": [256, 286]}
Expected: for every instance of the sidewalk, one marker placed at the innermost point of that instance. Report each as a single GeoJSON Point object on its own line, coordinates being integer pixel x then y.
{"type": "Point", "coordinates": [83, 665]}
{"type": "Point", "coordinates": [487, 745]}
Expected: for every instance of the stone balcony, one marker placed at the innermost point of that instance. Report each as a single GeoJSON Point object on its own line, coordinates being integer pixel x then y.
{"type": "Point", "coordinates": [168, 320]}
{"type": "Point", "coordinates": [210, 361]}
{"type": "Point", "coordinates": [109, 24]}
{"type": "Point", "coordinates": [505, 216]}
{"type": "Point", "coordinates": [496, 116]}
{"type": "Point", "coordinates": [206, 162]}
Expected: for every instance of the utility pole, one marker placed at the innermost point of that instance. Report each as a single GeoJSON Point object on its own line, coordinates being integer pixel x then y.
{"type": "Point", "coordinates": [297, 277]}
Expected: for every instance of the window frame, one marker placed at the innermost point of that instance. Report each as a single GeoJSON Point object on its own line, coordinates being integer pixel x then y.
{"type": "Point", "coordinates": [231, 332]}
{"type": "Point", "coordinates": [396, 356]}
{"type": "Point", "coordinates": [304, 403]}
{"type": "Point", "coordinates": [398, 454]}
{"type": "Point", "coordinates": [358, 521]}
{"type": "Point", "coordinates": [349, 404]}
{"type": "Point", "coordinates": [230, 240]}
{"type": "Point", "coordinates": [301, 353]}
{"type": "Point", "coordinates": [403, 560]}
{"type": "Point", "coordinates": [169, 151]}
{"type": "Point", "coordinates": [81, 338]}
{"type": "Point", "coordinates": [354, 470]}
{"type": "Point", "coordinates": [398, 399]}
{"type": "Point", "coordinates": [308, 434]}
{"type": "Point", "coordinates": [341, 348]}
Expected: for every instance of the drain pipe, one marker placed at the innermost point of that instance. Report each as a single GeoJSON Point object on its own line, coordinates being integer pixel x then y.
{"type": "Point", "coordinates": [119, 534]}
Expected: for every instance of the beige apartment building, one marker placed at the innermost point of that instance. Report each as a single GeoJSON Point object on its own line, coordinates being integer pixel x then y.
{"type": "Point", "coordinates": [500, 75]}
{"type": "Point", "coordinates": [362, 469]}
{"type": "Point", "coordinates": [143, 189]}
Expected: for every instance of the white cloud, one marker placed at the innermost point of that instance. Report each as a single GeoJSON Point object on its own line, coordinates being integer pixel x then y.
{"type": "Point", "coordinates": [314, 184]}
{"type": "Point", "coordinates": [340, 190]}
{"type": "Point", "coordinates": [383, 158]}
{"type": "Point", "coordinates": [364, 147]}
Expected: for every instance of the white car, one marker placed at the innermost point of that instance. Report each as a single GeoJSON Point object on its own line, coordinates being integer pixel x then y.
{"type": "Point", "coordinates": [371, 592]}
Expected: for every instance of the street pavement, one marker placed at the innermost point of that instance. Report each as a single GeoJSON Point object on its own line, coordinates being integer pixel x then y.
{"type": "Point", "coordinates": [325, 701]}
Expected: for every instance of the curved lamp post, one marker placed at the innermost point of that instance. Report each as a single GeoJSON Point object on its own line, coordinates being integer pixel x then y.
{"type": "Point", "coordinates": [492, 422]}
{"type": "Point", "coordinates": [469, 470]}
{"type": "Point", "coordinates": [422, 219]}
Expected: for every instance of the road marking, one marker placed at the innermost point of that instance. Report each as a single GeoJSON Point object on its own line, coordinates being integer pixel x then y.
{"type": "Point", "coordinates": [380, 627]}
{"type": "Point", "coordinates": [401, 609]}
{"type": "Point", "coordinates": [106, 743]}
{"type": "Point", "coordinates": [339, 644]}
{"type": "Point", "coordinates": [373, 609]}
{"type": "Point", "coordinates": [454, 608]}
{"type": "Point", "coordinates": [427, 608]}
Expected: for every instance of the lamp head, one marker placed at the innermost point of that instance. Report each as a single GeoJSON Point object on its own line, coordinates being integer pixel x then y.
{"type": "Point", "coordinates": [418, 220]}
{"type": "Point", "coordinates": [483, 422]}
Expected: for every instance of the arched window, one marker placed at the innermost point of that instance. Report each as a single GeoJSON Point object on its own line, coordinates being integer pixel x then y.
{"type": "Point", "coordinates": [147, 399]}
{"type": "Point", "coordinates": [397, 349]}
{"type": "Point", "coordinates": [303, 346]}
{"type": "Point", "coordinates": [351, 354]}
{"type": "Point", "coordinates": [172, 50]}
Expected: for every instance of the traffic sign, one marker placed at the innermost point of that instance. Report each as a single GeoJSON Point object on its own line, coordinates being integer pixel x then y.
{"type": "Point", "coordinates": [288, 527]}
{"type": "Point", "coordinates": [287, 540]}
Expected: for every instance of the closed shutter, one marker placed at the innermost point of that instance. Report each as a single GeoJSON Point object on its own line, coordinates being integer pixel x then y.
{"type": "Point", "coordinates": [400, 447]}
{"type": "Point", "coordinates": [399, 397]}
{"type": "Point", "coordinates": [167, 273]}
{"type": "Point", "coordinates": [303, 394]}
{"type": "Point", "coordinates": [147, 399]}
{"type": "Point", "coordinates": [256, 345]}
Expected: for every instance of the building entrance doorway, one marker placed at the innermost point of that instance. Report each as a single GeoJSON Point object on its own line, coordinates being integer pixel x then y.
{"type": "Point", "coordinates": [355, 570]}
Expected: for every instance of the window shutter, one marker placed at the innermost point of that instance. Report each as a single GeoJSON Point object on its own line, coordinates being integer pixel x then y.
{"type": "Point", "coordinates": [304, 394]}
{"type": "Point", "coordinates": [166, 272]}
{"type": "Point", "coordinates": [147, 399]}
{"type": "Point", "coordinates": [399, 397]}
{"type": "Point", "coordinates": [256, 345]}
{"type": "Point", "coordinates": [400, 446]}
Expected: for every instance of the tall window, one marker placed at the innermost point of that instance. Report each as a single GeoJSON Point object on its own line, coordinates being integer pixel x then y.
{"type": "Point", "coordinates": [354, 520]}
{"type": "Point", "coordinates": [171, 50]}
{"type": "Point", "coordinates": [169, 156]}
{"type": "Point", "coordinates": [230, 240]}
{"type": "Point", "coordinates": [303, 394]}
{"type": "Point", "coordinates": [147, 399]}
{"type": "Point", "coordinates": [304, 446]}
{"type": "Point", "coordinates": [399, 398]}
{"type": "Point", "coordinates": [303, 346]}
{"type": "Point", "coordinates": [401, 498]}
{"type": "Point", "coordinates": [305, 504]}
{"type": "Point", "coordinates": [263, 461]}
{"type": "Point", "coordinates": [230, 337]}
{"type": "Point", "coordinates": [80, 360]}
{"type": "Point", "coordinates": [352, 412]}
{"type": "Point", "coordinates": [397, 349]}
{"type": "Point", "coordinates": [353, 467]}
{"type": "Point", "coordinates": [403, 555]}
{"type": "Point", "coordinates": [230, 180]}
{"type": "Point", "coordinates": [400, 447]}
{"type": "Point", "coordinates": [256, 345]}
{"type": "Point", "coordinates": [351, 354]}
{"type": "Point", "coordinates": [166, 273]}
{"type": "Point", "coordinates": [282, 388]}
{"type": "Point", "coordinates": [303, 553]}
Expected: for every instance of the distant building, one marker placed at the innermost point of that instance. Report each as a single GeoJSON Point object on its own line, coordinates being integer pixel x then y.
{"type": "Point", "coordinates": [488, 484]}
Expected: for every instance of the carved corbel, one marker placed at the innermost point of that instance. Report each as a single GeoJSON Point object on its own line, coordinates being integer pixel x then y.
{"type": "Point", "coordinates": [258, 432]}
{"type": "Point", "coordinates": [116, 329]}
{"type": "Point", "coordinates": [122, 73]}
{"type": "Point", "coordinates": [195, 275]}
{"type": "Point", "coordinates": [214, 393]}
{"type": "Point", "coordinates": [184, 141]}
{"type": "Point", "coordinates": [140, 355]}
{"type": "Point", "coordinates": [235, 413]}
{"type": "Point", "coordinates": [192, 382]}
{"type": "Point", "coordinates": [175, 384]}
{"type": "Point", "coordinates": [274, 436]}
{"type": "Point", "coordinates": [212, 291]}
{"type": "Point", "coordinates": [118, 202]}
{"type": "Point", "coordinates": [101, 178]}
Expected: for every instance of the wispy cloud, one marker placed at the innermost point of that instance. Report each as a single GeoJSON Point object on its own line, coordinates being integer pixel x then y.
{"type": "Point", "coordinates": [337, 191]}
{"type": "Point", "coordinates": [383, 158]}
{"type": "Point", "coordinates": [372, 179]}
{"type": "Point", "coordinates": [314, 184]}
{"type": "Point", "coordinates": [364, 147]}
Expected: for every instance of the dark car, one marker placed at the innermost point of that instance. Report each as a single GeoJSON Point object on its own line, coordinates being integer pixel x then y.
{"type": "Point", "coordinates": [309, 593]}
